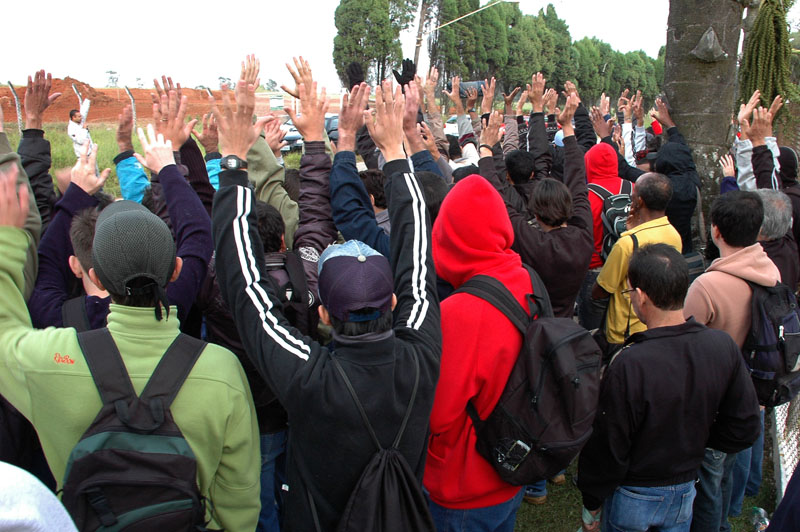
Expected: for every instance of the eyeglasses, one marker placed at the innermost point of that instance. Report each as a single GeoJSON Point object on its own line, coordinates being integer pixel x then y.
{"type": "Point", "coordinates": [628, 291]}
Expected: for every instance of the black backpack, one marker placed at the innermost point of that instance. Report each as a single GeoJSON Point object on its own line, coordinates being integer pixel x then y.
{"type": "Point", "coordinates": [387, 497]}
{"type": "Point", "coordinates": [614, 214]}
{"type": "Point", "coordinates": [299, 303]}
{"type": "Point", "coordinates": [772, 346]}
{"type": "Point", "coordinates": [132, 470]}
{"type": "Point", "coordinates": [545, 413]}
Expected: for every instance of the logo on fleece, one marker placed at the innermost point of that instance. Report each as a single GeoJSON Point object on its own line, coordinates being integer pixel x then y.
{"type": "Point", "coordinates": [62, 359]}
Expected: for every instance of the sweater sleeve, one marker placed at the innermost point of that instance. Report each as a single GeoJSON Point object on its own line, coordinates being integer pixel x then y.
{"type": "Point", "coordinates": [423, 162]}
{"type": "Point", "coordinates": [511, 138]}
{"type": "Point", "coordinates": [352, 210]}
{"type": "Point", "coordinates": [268, 175]}
{"type": "Point", "coordinates": [192, 157]}
{"type": "Point", "coordinates": [539, 146]}
{"type": "Point", "coordinates": [584, 130]}
{"type": "Point", "coordinates": [575, 180]}
{"type": "Point", "coordinates": [34, 150]}
{"type": "Point", "coordinates": [132, 177]}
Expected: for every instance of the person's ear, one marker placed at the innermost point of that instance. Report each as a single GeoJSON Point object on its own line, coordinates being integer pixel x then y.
{"type": "Point", "coordinates": [177, 271]}
{"type": "Point", "coordinates": [372, 200]}
{"type": "Point", "coordinates": [75, 266]}
{"type": "Point", "coordinates": [716, 235]}
{"type": "Point", "coordinates": [324, 317]}
{"type": "Point", "coordinates": [283, 242]}
{"type": "Point", "coordinates": [394, 301]}
{"type": "Point", "coordinates": [96, 280]}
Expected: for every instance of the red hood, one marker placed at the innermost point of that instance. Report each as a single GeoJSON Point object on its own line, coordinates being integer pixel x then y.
{"type": "Point", "coordinates": [601, 162]}
{"type": "Point", "coordinates": [472, 234]}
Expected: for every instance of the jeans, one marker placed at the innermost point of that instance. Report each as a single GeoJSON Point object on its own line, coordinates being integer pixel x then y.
{"type": "Point", "coordinates": [713, 492]}
{"type": "Point", "coordinates": [747, 473]}
{"type": "Point", "coordinates": [537, 489]}
{"type": "Point", "coordinates": [590, 311]}
{"type": "Point", "coordinates": [498, 518]}
{"type": "Point", "coordinates": [639, 509]}
{"type": "Point", "coordinates": [273, 476]}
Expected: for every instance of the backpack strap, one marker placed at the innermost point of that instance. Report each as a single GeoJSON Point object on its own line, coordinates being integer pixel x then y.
{"type": "Point", "coordinates": [626, 187]}
{"type": "Point", "coordinates": [600, 191]}
{"type": "Point", "coordinates": [106, 366]}
{"type": "Point", "coordinates": [540, 295]}
{"type": "Point", "coordinates": [74, 314]}
{"type": "Point", "coordinates": [364, 413]}
{"type": "Point", "coordinates": [172, 370]}
{"type": "Point", "coordinates": [297, 278]}
{"type": "Point", "coordinates": [494, 292]}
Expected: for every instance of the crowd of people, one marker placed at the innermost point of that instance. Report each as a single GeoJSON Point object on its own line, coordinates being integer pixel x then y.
{"type": "Point", "coordinates": [269, 329]}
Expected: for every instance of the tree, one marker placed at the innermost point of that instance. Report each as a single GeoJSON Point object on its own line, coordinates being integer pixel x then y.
{"type": "Point", "coordinates": [271, 85]}
{"type": "Point", "coordinates": [368, 32]}
{"type": "Point", "coordinates": [113, 78]}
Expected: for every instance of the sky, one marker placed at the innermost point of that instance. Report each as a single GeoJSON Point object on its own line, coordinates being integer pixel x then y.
{"type": "Point", "coordinates": [196, 46]}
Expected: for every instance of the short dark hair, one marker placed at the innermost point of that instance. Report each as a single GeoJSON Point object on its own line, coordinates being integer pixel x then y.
{"type": "Point", "coordinates": [291, 183]}
{"type": "Point", "coordinates": [73, 112]}
{"type": "Point", "coordinates": [464, 171]}
{"type": "Point", "coordinates": [434, 189]}
{"type": "Point", "coordinates": [81, 234]}
{"type": "Point", "coordinates": [453, 148]}
{"type": "Point", "coordinates": [374, 180]}
{"type": "Point", "coordinates": [661, 273]}
{"type": "Point", "coordinates": [738, 216]}
{"type": "Point", "coordinates": [551, 201]}
{"type": "Point", "coordinates": [520, 166]}
{"type": "Point", "coordinates": [270, 226]}
{"type": "Point", "coordinates": [357, 328]}
{"type": "Point", "coordinates": [655, 190]}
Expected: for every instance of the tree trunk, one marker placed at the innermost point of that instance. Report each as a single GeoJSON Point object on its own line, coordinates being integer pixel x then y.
{"type": "Point", "coordinates": [701, 94]}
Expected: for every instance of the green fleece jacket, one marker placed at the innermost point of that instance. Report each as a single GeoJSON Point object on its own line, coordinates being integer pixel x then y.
{"type": "Point", "coordinates": [44, 375]}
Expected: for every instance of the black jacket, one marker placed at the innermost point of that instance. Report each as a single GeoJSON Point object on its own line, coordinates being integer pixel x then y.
{"type": "Point", "coordinates": [34, 150]}
{"type": "Point", "coordinates": [669, 394]}
{"type": "Point", "coordinates": [328, 443]}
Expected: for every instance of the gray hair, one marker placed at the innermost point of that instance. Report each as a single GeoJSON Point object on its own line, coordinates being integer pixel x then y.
{"type": "Point", "coordinates": [777, 214]}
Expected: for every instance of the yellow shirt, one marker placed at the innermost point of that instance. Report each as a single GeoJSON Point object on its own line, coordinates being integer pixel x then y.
{"type": "Point", "coordinates": [613, 276]}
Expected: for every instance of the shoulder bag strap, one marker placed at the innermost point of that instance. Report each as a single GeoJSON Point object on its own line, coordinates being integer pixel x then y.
{"type": "Point", "coordinates": [491, 290]}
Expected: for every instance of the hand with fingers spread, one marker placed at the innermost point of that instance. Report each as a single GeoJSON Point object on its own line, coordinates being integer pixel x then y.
{"type": "Point", "coordinates": [157, 150]}
{"type": "Point", "coordinates": [250, 69]}
{"type": "Point", "coordinates": [570, 89]}
{"type": "Point", "coordinates": [508, 99]}
{"type": "Point", "coordinates": [351, 116]}
{"type": "Point", "coordinates": [601, 127]}
{"type": "Point", "coordinates": [776, 105]}
{"type": "Point", "coordinates": [454, 95]}
{"type": "Point", "coordinates": [13, 198]}
{"type": "Point", "coordinates": [550, 101]}
{"type": "Point", "coordinates": [301, 75]}
{"type": "Point", "coordinates": [488, 95]}
{"type": "Point", "coordinates": [616, 137]}
{"type": "Point", "coordinates": [760, 128]}
{"type": "Point", "coordinates": [237, 133]}
{"type": "Point", "coordinates": [490, 132]}
{"type": "Point", "coordinates": [472, 98]}
{"type": "Point", "coordinates": [746, 109]}
{"type": "Point", "coordinates": [274, 135]}
{"type": "Point", "coordinates": [170, 119]}
{"type": "Point", "coordinates": [622, 104]}
{"type": "Point", "coordinates": [168, 86]}
{"type": "Point", "coordinates": [565, 117]}
{"type": "Point", "coordinates": [125, 130]}
{"type": "Point", "coordinates": [637, 108]}
{"type": "Point", "coordinates": [310, 123]}
{"type": "Point", "coordinates": [428, 139]}
{"type": "Point", "coordinates": [38, 98]}
{"type": "Point", "coordinates": [521, 102]}
{"type": "Point", "coordinates": [84, 173]}
{"type": "Point", "coordinates": [605, 104]}
{"type": "Point", "coordinates": [386, 126]}
{"type": "Point", "coordinates": [728, 169]}
{"type": "Point", "coordinates": [536, 92]}
{"type": "Point", "coordinates": [661, 113]}
{"type": "Point", "coordinates": [209, 136]}
{"type": "Point", "coordinates": [413, 137]}
{"type": "Point", "coordinates": [430, 88]}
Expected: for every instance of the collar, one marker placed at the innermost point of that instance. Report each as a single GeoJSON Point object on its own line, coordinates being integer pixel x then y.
{"type": "Point", "coordinates": [366, 349]}
{"type": "Point", "coordinates": [656, 222]}
{"type": "Point", "coordinates": [687, 327]}
{"type": "Point", "coordinates": [133, 321]}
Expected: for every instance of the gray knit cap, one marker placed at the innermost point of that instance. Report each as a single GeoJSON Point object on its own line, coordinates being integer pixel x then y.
{"type": "Point", "coordinates": [130, 242]}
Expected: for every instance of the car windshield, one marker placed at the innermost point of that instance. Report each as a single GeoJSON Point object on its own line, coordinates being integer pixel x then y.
{"type": "Point", "coordinates": [452, 119]}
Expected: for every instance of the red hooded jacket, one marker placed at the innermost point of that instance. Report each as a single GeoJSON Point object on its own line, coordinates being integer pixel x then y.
{"type": "Point", "coordinates": [601, 168]}
{"type": "Point", "coordinates": [472, 235]}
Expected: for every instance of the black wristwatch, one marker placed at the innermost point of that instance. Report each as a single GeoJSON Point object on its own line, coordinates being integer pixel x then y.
{"type": "Point", "coordinates": [232, 162]}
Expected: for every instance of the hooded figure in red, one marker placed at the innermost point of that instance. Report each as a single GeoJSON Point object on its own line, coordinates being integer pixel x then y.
{"type": "Point", "coordinates": [602, 169]}
{"type": "Point", "coordinates": [472, 235]}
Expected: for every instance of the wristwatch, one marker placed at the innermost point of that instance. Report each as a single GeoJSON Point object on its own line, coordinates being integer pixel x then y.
{"type": "Point", "coordinates": [232, 162]}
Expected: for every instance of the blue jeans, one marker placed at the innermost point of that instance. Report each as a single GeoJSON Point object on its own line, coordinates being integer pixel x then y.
{"type": "Point", "coordinates": [747, 473]}
{"type": "Point", "coordinates": [537, 489]}
{"type": "Point", "coordinates": [273, 476]}
{"type": "Point", "coordinates": [498, 518]}
{"type": "Point", "coordinates": [713, 492]}
{"type": "Point", "coordinates": [590, 311]}
{"type": "Point", "coordinates": [638, 509]}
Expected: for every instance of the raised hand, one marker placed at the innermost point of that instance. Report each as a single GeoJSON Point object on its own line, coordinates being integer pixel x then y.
{"type": "Point", "coordinates": [274, 135]}
{"type": "Point", "coordinates": [623, 104]}
{"type": "Point", "coordinates": [454, 95]}
{"type": "Point", "coordinates": [428, 139]}
{"type": "Point", "coordinates": [601, 127]}
{"type": "Point", "coordinates": [386, 126]}
{"type": "Point", "coordinates": [301, 75]}
{"type": "Point", "coordinates": [760, 128]}
{"type": "Point", "coordinates": [565, 117]}
{"type": "Point", "coordinates": [351, 116]}
{"type": "Point", "coordinates": [550, 101]}
{"type": "Point", "coordinates": [728, 169]}
{"type": "Point", "coordinates": [84, 173]}
{"type": "Point", "coordinates": [13, 198]}
{"type": "Point", "coordinates": [536, 92]}
{"type": "Point", "coordinates": [521, 102]}
{"type": "Point", "coordinates": [168, 86]}
{"type": "Point", "coordinates": [570, 89]}
{"type": "Point", "coordinates": [472, 97]}
{"type": "Point", "coordinates": [637, 108]}
{"type": "Point", "coordinates": [776, 105]}
{"type": "Point", "coordinates": [38, 98]}
{"type": "Point", "coordinates": [250, 69]}
{"type": "Point", "coordinates": [746, 109]}
{"type": "Point", "coordinates": [311, 121]}
{"type": "Point", "coordinates": [208, 137]}
{"type": "Point", "coordinates": [488, 96]}
{"type": "Point", "coordinates": [157, 150]}
{"type": "Point", "coordinates": [661, 113]}
{"type": "Point", "coordinates": [170, 118]}
{"type": "Point", "coordinates": [508, 99]}
{"type": "Point", "coordinates": [616, 137]}
{"type": "Point", "coordinates": [125, 130]}
{"type": "Point", "coordinates": [410, 130]}
{"type": "Point", "coordinates": [605, 104]}
{"type": "Point", "coordinates": [237, 133]}
{"type": "Point", "coordinates": [490, 132]}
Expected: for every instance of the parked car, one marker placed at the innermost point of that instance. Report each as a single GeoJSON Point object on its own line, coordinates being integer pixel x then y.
{"type": "Point", "coordinates": [332, 127]}
{"type": "Point", "coordinates": [293, 138]}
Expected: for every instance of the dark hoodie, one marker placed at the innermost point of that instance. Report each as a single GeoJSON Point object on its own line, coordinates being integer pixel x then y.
{"type": "Point", "coordinates": [472, 235]}
{"type": "Point", "coordinates": [764, 166]}
{"type": "Point", "coordinates": [601, 169]}
{"type": "Point", "coordinates": [675, 161]}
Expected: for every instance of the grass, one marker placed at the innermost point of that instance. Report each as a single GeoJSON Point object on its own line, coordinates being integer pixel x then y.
{"type": "Point", "coordinates": [104, 135]}
{"type": "Point", "coordinates": [562, 512]}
